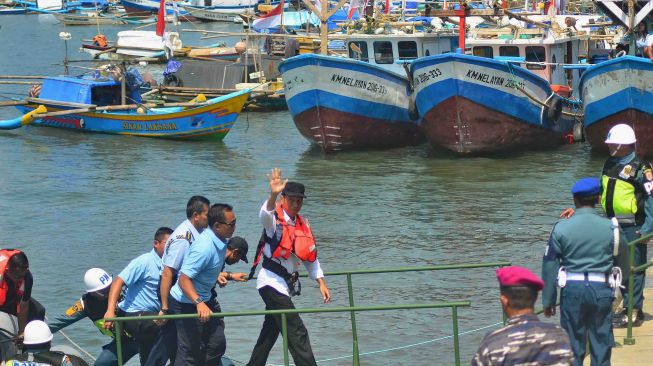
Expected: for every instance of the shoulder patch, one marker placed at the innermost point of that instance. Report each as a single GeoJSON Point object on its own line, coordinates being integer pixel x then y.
{"type": "Point", "coordinates": [75, 309]}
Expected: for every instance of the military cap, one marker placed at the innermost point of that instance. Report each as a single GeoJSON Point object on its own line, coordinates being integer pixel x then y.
{"type": "Point", "coordinates": [241, 244]}
{"type": "Point", "coordinates": [586, 187]}
{"type": "Point", "coordinates": [294, 189]}
{"type": "Point", "coordinates": [518, 276]}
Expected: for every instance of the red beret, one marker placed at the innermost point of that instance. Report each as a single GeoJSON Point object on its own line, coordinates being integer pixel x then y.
{"type": "Point", "coordinates": [518, 276]}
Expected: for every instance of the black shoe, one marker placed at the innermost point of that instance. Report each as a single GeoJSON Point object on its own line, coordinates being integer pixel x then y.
{"type": "Point", "coordinates": [638, 317]}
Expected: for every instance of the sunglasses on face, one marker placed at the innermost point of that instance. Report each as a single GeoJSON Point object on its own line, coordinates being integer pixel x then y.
{"type": "Point", "coordinates": [232, 223]}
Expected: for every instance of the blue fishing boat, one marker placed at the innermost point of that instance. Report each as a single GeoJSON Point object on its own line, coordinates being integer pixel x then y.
{"type": "Point", "coordinates": [472, 105]}
{"type": "Point", "coordinates": [618, 91]}
{"type": "Point", "coordinates": [341, 103]}
{"type": "Point", "coordinates": [363, 101]}
{"type": "Point", "coordinates": [7, 10]}
{"type": "Point", "coordinates": [91, 104]}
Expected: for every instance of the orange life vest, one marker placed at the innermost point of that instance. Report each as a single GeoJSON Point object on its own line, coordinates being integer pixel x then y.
{"type": "Point", "coordinates": [100, 40]}
{"type": "Point", "coordinates": [296, 239]}
{"type": "Point", "coordinates": [5, 255]}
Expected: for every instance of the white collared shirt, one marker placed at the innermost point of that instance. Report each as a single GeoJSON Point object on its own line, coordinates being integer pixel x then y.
{"type": "Point", "coordinates": [268, 278]}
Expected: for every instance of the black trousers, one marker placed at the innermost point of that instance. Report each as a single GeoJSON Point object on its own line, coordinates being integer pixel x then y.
{"type": "Point", "coordinates": [199, 343]}
{"type": "Point", "coordinates": [298, 343]}
{"type": "Point", "coordinates": [144, 332]}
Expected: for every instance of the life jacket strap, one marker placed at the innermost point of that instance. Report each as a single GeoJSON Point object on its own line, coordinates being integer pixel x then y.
{"type": "Point", "coordinates": [259, 252]}
{"type": "Point", "coordinates": [292, 279]}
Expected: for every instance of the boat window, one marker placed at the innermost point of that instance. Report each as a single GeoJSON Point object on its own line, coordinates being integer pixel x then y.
{"type": "Point", "coordinates": [484, 51]}
{"type": "Point", "coordinates": [407, 50]}
{"type": "Point", "coordinates": [383, 52]}
{"type": "Point", "coordinates": [106, 95]}
{"type": "Point", "coordinates": [358, 51]}
{"type": "Point", "coordinates": [509, 51]}
{"type": "Point", "coordinates": [535, 54]}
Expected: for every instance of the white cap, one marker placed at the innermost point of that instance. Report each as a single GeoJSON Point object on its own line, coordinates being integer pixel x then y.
{"type": "Point", "coordinates": [621, 134]}
{"type": "Point", "coordinates": [96, 279]}
{"type": "Point", "coordinates": [37, 332]}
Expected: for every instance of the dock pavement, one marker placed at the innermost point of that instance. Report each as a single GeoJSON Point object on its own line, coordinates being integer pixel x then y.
{"type": "Point", "coordinates": [641, 353]}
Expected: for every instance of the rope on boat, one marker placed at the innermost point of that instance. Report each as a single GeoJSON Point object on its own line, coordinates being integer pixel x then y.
{"type": "Point", "coordinates": [573, 103]}
{"type": "Point", "coordinates": [408, 345]}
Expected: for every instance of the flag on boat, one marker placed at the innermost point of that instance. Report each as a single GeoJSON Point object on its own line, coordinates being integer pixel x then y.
{"type": "Point", "coordinates": [355, 6]}
{"type": "Point", "coordinates": [161, 19]}
{"type": "Point", "coordinates": [271, 19]}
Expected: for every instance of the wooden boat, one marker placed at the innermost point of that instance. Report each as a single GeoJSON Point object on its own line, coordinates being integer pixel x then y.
{"type": "Point", "coordinates": [363, 101]}
{"type": "Point", "coordinates": [9, 10]}
{"type": "Point", "coordinates": [221, 11]}
{"type": "Point", "coordinates": [619, 91]}
{"type": "Point", "coordinates": [89, 105]}
{"type": "Point", "coordinates": [484, 103]}
{"type": "Point", "coordinates": [88, 19]}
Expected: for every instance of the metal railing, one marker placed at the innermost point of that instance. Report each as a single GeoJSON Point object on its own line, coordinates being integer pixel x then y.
{"type": "Point", "coordinates": [453, 305]}
{"type": "Point", "coordinates": [352, 309]}
{"type": "Point", "coordinates": [630, 340]}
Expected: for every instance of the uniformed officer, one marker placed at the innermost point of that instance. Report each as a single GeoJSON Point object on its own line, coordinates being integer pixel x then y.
{"type": "Point", "coordinates": [197, 210]}
{"type": "Point", "coordinates": [93, 305]}
{"type": "Point", "coordinates": [580, 258]}
{"type": "Point", "coordinates": [37, 349]}
{"type": "Point", "coordinates": [627, 185]}
{"type": "Point", "coordinates": [525, 340]}
{"type": "Point", "coordinates": [141, 277]}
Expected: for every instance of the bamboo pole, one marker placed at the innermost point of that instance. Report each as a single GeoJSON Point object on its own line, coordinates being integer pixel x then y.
{"type": "Point", "coordinates": [19, 82]}
{"type": "Point", "coordinates": [527, 20]}
{"type": "Point", "coordinates": [11, 103]}
{"type": "Point", "coordinates": [121, 107]}
{"type": "Point", "coordinates": [21, 77]}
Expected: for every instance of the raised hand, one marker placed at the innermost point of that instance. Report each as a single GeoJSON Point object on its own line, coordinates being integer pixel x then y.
{"type": "Point", "coordinates": [277, 184]}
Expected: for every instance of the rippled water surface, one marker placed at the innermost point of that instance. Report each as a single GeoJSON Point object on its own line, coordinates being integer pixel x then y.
{"type": "Point", "coordinates": [74, 201]}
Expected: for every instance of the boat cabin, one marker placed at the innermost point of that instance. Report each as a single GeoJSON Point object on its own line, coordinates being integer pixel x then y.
{"type": "Point", "coordinates": [385, 50]}
{"type": "Point", "coordinates": [539, 51]}
{"type": "Point", "coordinates": [84, 90]}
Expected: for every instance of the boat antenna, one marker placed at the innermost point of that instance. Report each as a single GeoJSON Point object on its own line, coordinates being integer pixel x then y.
{"type": "Point", "coordinates": [65, 37]}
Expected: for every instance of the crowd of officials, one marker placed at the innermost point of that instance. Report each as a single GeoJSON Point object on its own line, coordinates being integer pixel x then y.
{"type": "Point", "coordinates": [585, 260]}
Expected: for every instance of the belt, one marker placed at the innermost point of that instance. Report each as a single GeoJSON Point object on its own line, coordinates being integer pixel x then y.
{"type": "Point", "coordinates": [589, 276]}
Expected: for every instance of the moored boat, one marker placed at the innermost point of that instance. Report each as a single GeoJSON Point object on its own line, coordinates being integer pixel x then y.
{"type": "Point", "coordinates": [91, 105]}
{"type": "Point", "coordinates": [473, 105]}
{"type": "Point", "coordinates": [340, 103]}
{"type": "Point", "coordinates": [619, 91]}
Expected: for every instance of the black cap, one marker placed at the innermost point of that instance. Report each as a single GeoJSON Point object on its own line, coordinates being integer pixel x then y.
{"type": "Point", "coordinates": [294, 189]}
{"type": "Point", "coordinates": [241, 244]}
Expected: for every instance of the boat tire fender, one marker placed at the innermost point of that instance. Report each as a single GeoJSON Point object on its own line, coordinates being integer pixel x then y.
{"type": "Point", "coordinates": [554, 108]}
{"type": "Point", "coordinates": [172, 80]}
{"type": "Point", "coordinates": [620, 53]}
{"type": "Point", "coordinates": [578, 132]}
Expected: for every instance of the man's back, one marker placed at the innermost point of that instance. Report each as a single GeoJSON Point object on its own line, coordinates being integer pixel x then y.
{"type": "Point", "coordinates": [525, 340]}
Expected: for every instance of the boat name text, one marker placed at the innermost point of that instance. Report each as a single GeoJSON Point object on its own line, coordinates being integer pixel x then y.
{"type": "Point", "coordinates": [426, 76]}
{"type": "Point", "coordinates": [361, 84]}
{"type": "Point", "coordinates": [153, 126]}
{"type": "Point", "coordinates": [494, 80]}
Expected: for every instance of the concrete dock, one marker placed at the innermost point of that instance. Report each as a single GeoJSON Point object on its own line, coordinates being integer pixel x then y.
{"type": "Point", "coordinates": [641, 353]}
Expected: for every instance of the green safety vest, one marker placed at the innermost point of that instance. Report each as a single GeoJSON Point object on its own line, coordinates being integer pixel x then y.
{"type": "Point", "coordinates": [622, 196]}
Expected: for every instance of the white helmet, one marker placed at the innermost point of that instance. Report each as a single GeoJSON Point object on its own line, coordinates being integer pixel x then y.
{"type": "Point", "coordinates": [96, 279]}
{"type": "Point", "coordinates": [621, 134]}
{"type": "Point", "coordinates": [37, 332]}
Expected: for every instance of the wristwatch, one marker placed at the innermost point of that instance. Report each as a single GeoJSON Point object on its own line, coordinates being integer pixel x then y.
{"type": "Point", "coordinates": [165, 311]}
{"type": "Point", "coordinates": [198, 301]}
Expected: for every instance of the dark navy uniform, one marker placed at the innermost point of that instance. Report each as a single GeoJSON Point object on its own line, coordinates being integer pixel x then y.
{"type": "Point", "coordinates": [525, 340]}
{"type": "Point", "coordinates": [584, 245]}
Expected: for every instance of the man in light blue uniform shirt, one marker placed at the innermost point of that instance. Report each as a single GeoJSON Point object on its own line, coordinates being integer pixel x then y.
{"type": "Point", "coordinates": [197, 210]}
{"type": "Point", "coordinates": [202, 341]}
{"type": "Point", "coordinates": [141, 276]}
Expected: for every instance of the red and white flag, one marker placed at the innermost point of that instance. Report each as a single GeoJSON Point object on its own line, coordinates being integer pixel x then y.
{"type": "Point", "coordinates": [355, 6]}
{"type": "Point", "coordinates": [271, 19]}
{"type": "Point", "coordinates": [161, 21]}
